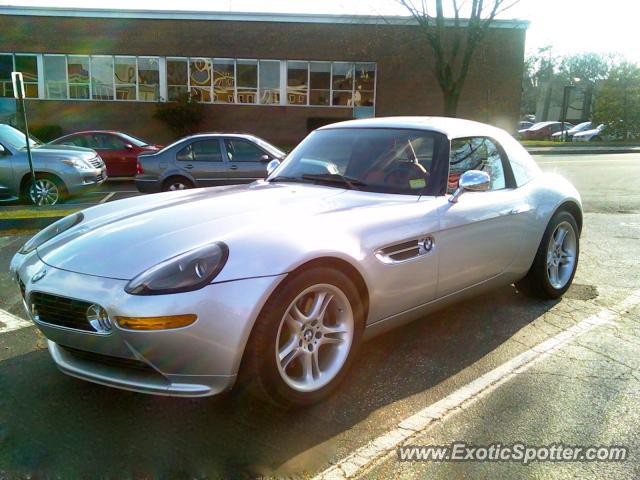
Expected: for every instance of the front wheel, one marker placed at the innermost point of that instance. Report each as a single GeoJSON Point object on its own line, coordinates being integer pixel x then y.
{"type": "Point", "coordinates": [305, 338]}
{"type": "Point", "coordinates": [556, 260]}
{"type": "Point", "coordinates": [48, 190]}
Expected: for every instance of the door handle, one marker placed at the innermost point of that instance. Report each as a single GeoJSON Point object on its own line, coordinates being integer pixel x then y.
{"type": "Point", "coordinates": [188, 167]}
{"type": "Point", "coordinates": [233, 167]}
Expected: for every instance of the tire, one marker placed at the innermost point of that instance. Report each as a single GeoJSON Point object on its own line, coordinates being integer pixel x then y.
{"type": "Point", "coordinates": [51, 190]}
{"type": "Point", "coordinates": [540, 281]}
{"type": "Point", "coordinates": [176, 183]}
{"type": "Point", "coordinates": [277, 359]}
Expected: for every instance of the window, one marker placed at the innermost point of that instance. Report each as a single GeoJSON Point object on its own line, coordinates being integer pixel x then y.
{"type": "Point", "coordinates": [297, 83]}
{"type": "Point", "coordinates": [6, 67]}
{"type": "Point", "coordinates": [242, 151]}
{"type": "Point", "coordinates": [102, 78]}
{"type": "Point", "coordinates": [320, 80]}
{"type": "Point", "coordinates": [125, 76]}
{"type": "Point", "coordinates": [28, 65]}
{"type": "Point", "coordinates": [247, 77]}
{"type": "Point", "coordinates": [202, 151]}
{"type": "Point", "coordinates": [102, 141]}
{"type": "Point", "coordinates": [55, 76]}
{"type": "Point", "coordinates": [177, 78]}
{"type": "Point", "coordinates": [200, 79]}
{"type": "Point", "coordinates": [224, 81]}
{"type": "Point", "coordinates": [269, 82]}
{"type": "Point", "coordinates": [475, 154]}
{"type": "Point", "coordinates": [148, 79]}
{"type": "Point", "coordinates": [342, 78]}
{"type": "Point", "coordinates": [78, 74]}
{"type": "Point", "coordinates": [78, 141]}
{"type": "Point", "coordinates": [365, 81]}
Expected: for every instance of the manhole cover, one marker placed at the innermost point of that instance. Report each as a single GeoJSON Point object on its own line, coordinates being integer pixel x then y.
{"type": "Point", "coordinates": [578, 291]}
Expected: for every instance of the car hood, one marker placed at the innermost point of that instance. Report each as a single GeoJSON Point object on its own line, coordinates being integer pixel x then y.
{"type": "Point", "coordinates": [62, 152]}
{"type": "Point", "coordinates": [124, 238]}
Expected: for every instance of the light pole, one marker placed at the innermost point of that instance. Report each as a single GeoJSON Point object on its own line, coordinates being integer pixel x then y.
{"type": "Point", "coordinates": [566, 99]}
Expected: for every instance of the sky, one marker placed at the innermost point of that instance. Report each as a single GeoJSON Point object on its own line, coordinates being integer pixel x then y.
{"type": "Point", "coordinates": [570, 26]}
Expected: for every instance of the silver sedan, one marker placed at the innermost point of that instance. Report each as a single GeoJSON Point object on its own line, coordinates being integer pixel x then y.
{"type": "Point", "coordinates": [366, 225]}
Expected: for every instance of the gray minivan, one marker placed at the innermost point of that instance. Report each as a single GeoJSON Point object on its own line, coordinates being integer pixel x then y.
{"type": "Point", "coordinates": [206, 160]}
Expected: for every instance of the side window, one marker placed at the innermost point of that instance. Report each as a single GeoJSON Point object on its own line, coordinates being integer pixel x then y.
{"type": "Point", "coordinates": [185, 155]}
{"type": "Point", "coordinates": [477, 153]}
{"type": "Point", "coordinates": [206, 151]}
{"type": "Point", "coordinates": [78, 141]}
{"type": "Point", "coordinates": [106, 142]}
{"type": "Point", "coordinates": [242, 151]}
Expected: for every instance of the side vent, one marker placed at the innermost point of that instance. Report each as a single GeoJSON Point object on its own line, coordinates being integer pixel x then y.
{"type": "Point", "coordinates": [405, 251]}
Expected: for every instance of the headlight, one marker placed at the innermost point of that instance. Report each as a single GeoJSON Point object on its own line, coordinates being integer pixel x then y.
{"type": "Point", "coordinates": [78, 164]}
{"type": "Point", "coordinates": [186, 272]}
{"type": "Point", "coordinates": [51, 231]}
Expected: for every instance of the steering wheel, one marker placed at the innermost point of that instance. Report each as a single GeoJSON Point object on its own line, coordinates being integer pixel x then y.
{"type": "Point", "coordinates": [402, 174]}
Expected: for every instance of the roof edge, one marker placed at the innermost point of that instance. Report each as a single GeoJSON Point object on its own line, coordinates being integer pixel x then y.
{"type": "Point", "coordinates": [232, 16]}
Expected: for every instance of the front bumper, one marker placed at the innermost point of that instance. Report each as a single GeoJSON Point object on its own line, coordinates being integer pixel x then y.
{"type": "Point", "coordinates": [77, 181]}
{"type": "Point", "coordinates": [198, 360]}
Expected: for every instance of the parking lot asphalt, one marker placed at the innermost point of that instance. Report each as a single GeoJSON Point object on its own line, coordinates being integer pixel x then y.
{"type": "Point", "coordinates": [585, 392]}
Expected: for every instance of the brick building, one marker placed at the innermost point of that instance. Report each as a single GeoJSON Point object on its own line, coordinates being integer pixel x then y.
{"type": "Point", "coordinates": [274, 75]}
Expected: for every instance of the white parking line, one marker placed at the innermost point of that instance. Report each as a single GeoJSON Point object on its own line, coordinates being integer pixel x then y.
{"type": "Point", "coordinates": [9, 322]}
{"type": "Point", "coordinates": [365, 457]}
{"type": "Point", "coordinates": [107, 197]}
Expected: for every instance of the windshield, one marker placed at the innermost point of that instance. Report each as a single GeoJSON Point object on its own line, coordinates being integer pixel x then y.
{"type": "Point", "coordinates": [15, 139]}
{"type": "Point", "coordinates": [373, 159]}
{"type": "Point", "coordinates": [133, 140]}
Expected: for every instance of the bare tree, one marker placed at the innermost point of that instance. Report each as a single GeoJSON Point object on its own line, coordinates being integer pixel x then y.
{"type": "Point", "coordinates": [453, 48]}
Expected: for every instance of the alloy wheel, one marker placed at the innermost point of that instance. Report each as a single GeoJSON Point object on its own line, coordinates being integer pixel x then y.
{"type": "Point", "coordinates": [561, 255]}
{"type": "Point", "coordinates": [46, 192]}
{"type": "Point", "coordinates": [314, 338]}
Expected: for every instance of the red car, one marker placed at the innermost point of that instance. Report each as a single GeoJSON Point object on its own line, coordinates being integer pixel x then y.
{"type": "Point", "coordinates": [118, 150]}
{"type": "Point", "coordinates": [542, 130]}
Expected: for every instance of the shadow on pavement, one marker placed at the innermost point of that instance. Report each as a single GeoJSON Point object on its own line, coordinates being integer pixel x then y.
{"type": "Point", "coordinates": [54, 425]}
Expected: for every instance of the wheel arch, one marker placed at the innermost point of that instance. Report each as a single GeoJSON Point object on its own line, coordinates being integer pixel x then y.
{"type": "Point", "coordinates": [574, 209]}
{"type": "Point", "coordinates": [27, 178]}
{"type": "Point", "coordinates": [339, 264]}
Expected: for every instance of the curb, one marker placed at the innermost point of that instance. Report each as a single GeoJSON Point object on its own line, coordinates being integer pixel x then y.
{"type": "Point", "coordinates": [579, 151]}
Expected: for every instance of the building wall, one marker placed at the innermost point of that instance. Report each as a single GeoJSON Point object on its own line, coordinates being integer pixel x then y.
{"type": "Point", "coordinates": [405, 82]}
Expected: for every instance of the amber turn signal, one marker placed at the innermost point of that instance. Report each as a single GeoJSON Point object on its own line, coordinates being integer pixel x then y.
{"type": "Point", "coordinates": [156, 323]}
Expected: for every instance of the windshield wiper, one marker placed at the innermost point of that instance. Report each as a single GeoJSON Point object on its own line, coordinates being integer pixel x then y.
{"type": "Point", "coordinates": [284, 178]}
{"type": "Point", "coordinates": [334, 178]}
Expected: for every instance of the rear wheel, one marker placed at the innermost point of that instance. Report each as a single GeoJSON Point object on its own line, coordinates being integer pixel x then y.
{"type": "Point", "coordinates": [176, 183]}
{"type": "Point", "coordinates": [556, 260]}
{"type": "Point", "coordinates": [305, 338]}
{"type": "Point", "coordinates": [48, 190]}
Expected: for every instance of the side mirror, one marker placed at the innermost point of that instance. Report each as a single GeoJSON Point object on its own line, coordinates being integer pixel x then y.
{"type": "Point", "coordinates": [472, 181]}
{"type": "Point", "coordinates": [128, 146]}
{"type": "Point", "coordinates": [3, 151]}
{"type": "Point", "coordinates": [265, 158]}
{"type": "Point", "coordinates": [272, 165]}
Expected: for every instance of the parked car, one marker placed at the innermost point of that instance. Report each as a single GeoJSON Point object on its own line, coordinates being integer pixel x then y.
{"type": "Point", "coordinates": [206, 160]}
{"type": "Point", "coordinates": [524, 124]}
{"type": "Point", "coordinates": [542, 130]}
{"type": "Point", "coordinates": [60, 170]}
{"type": "Point", "coordinates": [592, 135]}
{"type": "Point", "coordinates": [277, 282]}
{"type": "Point", "coordinates": [118, 150]}
{"type": "Point", "coordinates": [568, 134]}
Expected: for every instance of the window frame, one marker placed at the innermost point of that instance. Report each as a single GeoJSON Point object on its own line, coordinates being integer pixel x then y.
{"type": "Point", "coordinates": [228, 159]}
{"type": "Point", "coordinates": [509, 179]}
{"type": "Point", "coordinates": [190, 145]}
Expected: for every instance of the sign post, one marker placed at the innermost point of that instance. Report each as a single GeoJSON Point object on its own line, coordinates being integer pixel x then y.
{"type": "Point", "coordinates": [18, 92]}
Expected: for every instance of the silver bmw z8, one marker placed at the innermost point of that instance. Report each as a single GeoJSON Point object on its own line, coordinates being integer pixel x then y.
{"type": "Point", "coordinates": [366, 225]}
